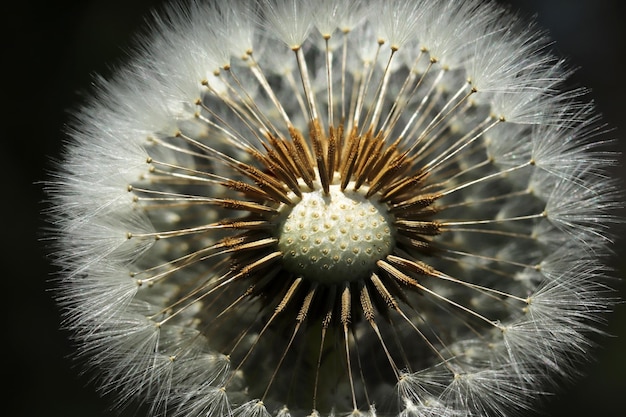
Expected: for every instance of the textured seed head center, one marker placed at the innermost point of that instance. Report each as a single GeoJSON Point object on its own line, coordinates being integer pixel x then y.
{"type": "Point", "coordinates": [336, 237]}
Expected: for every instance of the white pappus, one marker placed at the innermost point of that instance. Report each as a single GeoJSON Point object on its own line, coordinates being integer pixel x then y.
{"type": "Point", "coordinates": [332, 207]}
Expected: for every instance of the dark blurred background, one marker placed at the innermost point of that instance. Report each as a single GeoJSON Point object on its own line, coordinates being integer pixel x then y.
{"type": "Point", "coordinates": [50, 51]}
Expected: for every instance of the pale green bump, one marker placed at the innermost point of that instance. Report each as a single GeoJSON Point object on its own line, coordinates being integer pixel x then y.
{"type": "Point", "coordinates": [336, 237]}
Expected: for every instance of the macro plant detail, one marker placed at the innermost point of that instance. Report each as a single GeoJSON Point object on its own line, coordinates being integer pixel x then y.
{"type": "Point", "coordinates": [291, 207]}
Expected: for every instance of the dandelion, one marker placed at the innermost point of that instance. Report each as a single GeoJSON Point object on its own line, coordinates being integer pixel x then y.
{"type": "Point", "coordinates": [332, 207]}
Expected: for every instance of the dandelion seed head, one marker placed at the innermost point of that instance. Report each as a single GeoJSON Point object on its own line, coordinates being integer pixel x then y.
{"type": "Point", "coordinates": [295, 208]}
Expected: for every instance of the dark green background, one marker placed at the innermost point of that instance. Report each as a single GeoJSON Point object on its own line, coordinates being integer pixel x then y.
{"type": "Point", "coordinates": [49, 51]}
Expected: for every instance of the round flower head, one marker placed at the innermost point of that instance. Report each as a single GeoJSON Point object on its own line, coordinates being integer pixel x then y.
{"type": "Point", "coordinates": [330, 207]}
